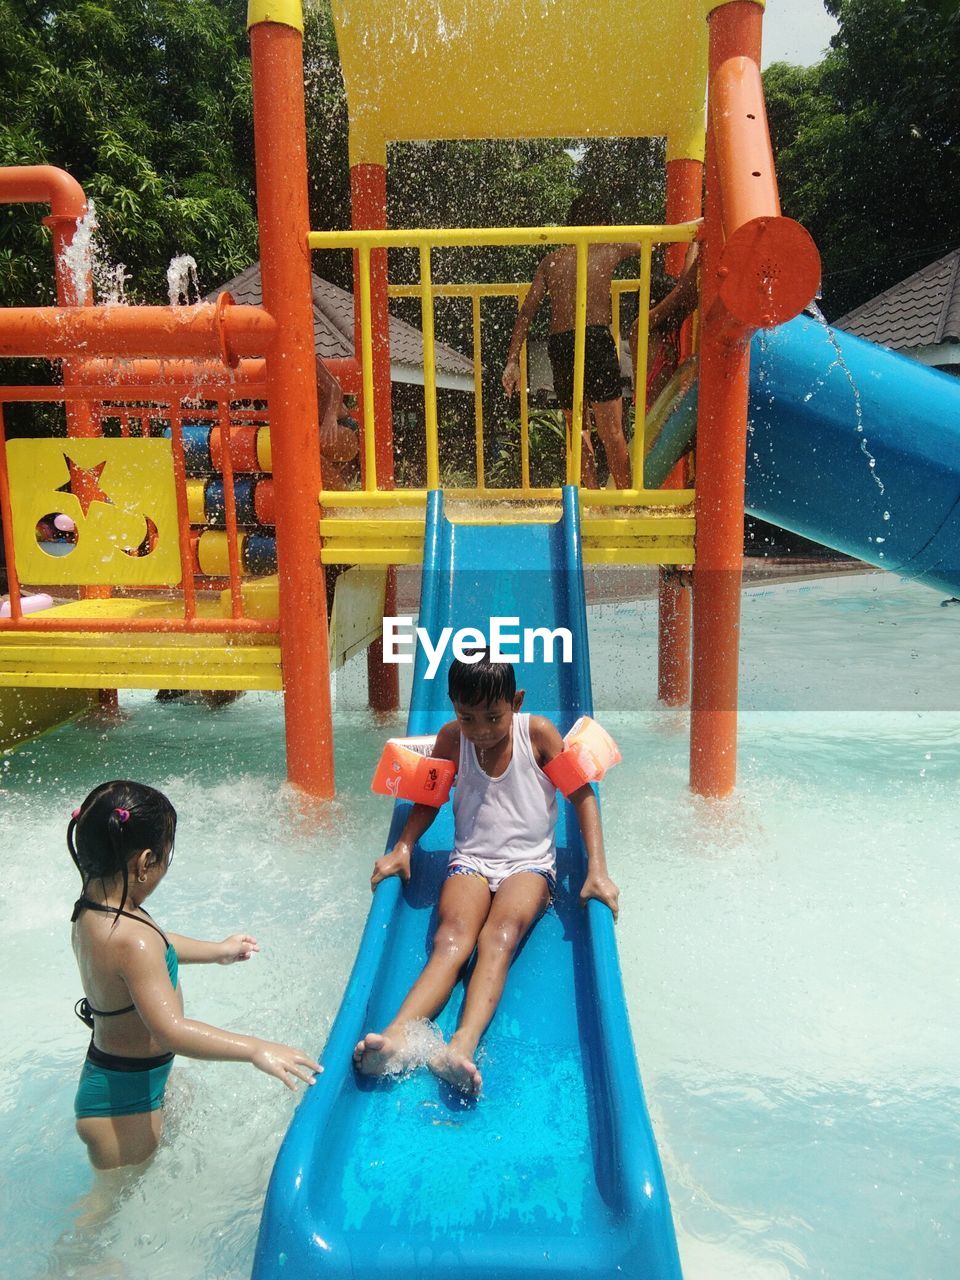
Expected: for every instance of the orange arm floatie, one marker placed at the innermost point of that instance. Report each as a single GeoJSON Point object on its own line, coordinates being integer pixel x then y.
{"type": "Point", "coordinates": [589, 752]}
{"type": "Point", "coordinates": [407, 771]}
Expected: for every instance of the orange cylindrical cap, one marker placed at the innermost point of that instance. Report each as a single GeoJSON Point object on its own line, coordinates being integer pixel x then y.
{"type": "Point", "coordinates": [263, 502]}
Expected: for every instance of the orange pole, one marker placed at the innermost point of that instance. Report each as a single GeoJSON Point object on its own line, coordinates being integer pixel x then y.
{"type": "Point", "coordinates": [283, 212]}
{"type": "Point", "coordinates": [368, 204]}
{"type": "Point", "coordinates": [684, 199]}
{"type": "Point", "coordinates": [721, 452]}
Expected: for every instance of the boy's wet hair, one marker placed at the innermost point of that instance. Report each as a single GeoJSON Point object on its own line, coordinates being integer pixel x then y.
{"type": "Point", "coordinates": [117, 821]}
{"type": "Point", "coordinates": [471, 683]}
{"type": "Point", "coordinates": [588, 210]}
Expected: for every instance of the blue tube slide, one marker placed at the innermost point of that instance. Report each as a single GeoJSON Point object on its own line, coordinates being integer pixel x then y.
{"type": "Point", "coordinates": [553, 1171]}
{"type": "Point", "coordinates": [849, 444]}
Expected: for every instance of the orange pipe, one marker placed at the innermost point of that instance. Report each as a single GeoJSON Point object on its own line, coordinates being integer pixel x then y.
{"type": "Point", "coordinates": [368, 200]}
{"type": "Point", "coordinates": [135, 331]}
{"type": "Point", "coordinates": [176, 373]}
{"type": "Point", "coordinates": [117, 626]}
{"type": "Point", "coordinates": [721, 453]}
{"type": "Point", "coordinates": [43, 184]}
{"type": "Point", "coordinates": [769, 268]}
{"type": "Point", "coordinates": [283, 213]}
{"type": "Point", "coordinates": [684, 199]}
{"type": "Point", "coordinates": [188, 374]}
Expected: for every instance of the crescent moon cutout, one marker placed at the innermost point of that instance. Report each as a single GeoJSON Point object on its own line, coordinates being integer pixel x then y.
{"type": "Point", "coordinates": [148, 543]}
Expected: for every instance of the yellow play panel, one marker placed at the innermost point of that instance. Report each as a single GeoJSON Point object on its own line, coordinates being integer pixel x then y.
{"type": "Point", "coordinates": [121, 496]}
{"type": "Point", "coordinates": [523, 69]}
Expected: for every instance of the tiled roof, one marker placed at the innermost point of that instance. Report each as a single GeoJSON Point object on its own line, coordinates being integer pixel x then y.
{"type": "Point", "coordinates": [921, 311]}
{"type": "Point", "coordinates": [333, 324]}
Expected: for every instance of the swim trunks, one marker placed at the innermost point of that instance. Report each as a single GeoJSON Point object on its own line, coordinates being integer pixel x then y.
{"type": "Point", "coordinates": [494, 881]}
{"type": "Point", "coordinates": [111, 1085]}
{"type": "Point", "coordinates": [601, 366]}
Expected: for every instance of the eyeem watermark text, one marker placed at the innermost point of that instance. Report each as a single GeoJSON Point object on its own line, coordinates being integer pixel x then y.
{"type": "Point", "coordinates": [506, 641]}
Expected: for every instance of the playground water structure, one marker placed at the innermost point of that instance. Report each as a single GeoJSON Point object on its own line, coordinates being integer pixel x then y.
{"type": "Point", "coordinates": [759, 269]}
{"type": "Point", "coordinates": [783, 958]}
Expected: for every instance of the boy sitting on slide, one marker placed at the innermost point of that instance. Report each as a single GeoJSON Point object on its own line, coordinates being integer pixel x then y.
{"type": "Point", "coordinates": [501, 875]}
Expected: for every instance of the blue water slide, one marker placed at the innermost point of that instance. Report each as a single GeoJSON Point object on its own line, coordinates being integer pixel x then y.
{"type": "Point", "coordinates": [849, 444]}
{"type": "Point", "coordinates": [554, 1170]}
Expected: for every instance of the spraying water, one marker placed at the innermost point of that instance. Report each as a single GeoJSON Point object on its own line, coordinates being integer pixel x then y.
{"type": "Point", "coordinates": [838, 362]}
{"type": "Point", "coordinates": [77, 258]}
{"type": "Point", "coordinates": [182, 280]}
{"type": "Point", "coordinates": [90, 274]}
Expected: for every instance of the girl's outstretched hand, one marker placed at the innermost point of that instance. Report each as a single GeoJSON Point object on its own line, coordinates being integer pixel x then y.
{"type": "Point", "coordinates": [282, 1061]}
{"type": "Point", "coordinates": [604, 890]}
{"type": "Point", "coordinates": [394, 863]}
{"type": "Point", "coordinates": [239, 946]}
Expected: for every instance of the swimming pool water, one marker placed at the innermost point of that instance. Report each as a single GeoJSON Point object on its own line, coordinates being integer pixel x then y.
{"type": "Point", "coordinates": [787, 953]}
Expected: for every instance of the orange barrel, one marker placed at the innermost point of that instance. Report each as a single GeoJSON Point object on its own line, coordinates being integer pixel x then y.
{"type": "Point", "coordinates": [264, 455]}
{"type": "Point", "coordinates": [243, 448]}
{"type": "Point", "coordinates": [196, 501]}
{"type": "Point", "coordinates": [213, 556]}
{"type": "Point", "coordinates": [263, 502]}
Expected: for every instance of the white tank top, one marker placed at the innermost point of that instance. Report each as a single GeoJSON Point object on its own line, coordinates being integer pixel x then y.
{"type": "Point", "coordinates": [510, 820]}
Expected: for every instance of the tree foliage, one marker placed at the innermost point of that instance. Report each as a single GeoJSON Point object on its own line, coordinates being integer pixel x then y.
{"type": "Point", "coordinates": [147, 104]}
{"type": "Point", "coordinates": [868, 144]}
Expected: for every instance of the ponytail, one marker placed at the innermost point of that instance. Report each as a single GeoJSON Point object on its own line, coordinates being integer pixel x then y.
{"type": "Point", "coordinates": [117, 821]}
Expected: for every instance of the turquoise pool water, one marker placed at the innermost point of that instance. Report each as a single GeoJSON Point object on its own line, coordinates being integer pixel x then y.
{"type": "Point", "coordinates": [788, 954]}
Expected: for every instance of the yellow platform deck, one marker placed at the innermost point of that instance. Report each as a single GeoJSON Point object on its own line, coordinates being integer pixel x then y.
{"type": "Point", "coordinates": [88, 660]}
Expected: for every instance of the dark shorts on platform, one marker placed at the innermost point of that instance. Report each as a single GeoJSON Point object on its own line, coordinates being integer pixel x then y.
{"type": "Point", "coordinates": [601, 368]}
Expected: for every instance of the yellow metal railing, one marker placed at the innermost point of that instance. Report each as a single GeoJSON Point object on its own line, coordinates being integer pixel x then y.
{"type": "Point", "coordinates": [425, 241]}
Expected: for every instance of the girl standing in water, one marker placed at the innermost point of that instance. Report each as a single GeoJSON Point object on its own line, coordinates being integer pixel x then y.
{"type": "Point", "coordinates": [121, 839]}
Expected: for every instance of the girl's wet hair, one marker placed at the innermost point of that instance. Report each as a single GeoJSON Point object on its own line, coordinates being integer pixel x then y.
{"type": "Point", "coordinates": [471, 683]}
{"type": "Point", "coordinates": [117, 821]}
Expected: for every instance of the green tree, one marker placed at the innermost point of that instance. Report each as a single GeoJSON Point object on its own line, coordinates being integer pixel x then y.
{"type": "Point", "coordinates": [147, 103]}
{"type": "Point", "coordinates": [868, 144]}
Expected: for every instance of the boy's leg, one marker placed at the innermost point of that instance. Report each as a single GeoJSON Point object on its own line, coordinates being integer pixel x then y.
{"type": "Point", "coordinates": [464, 906]}
{"type": "Point", "coordinates": [588, 462]}
{"type": "Point", "coordinates": [517, 904]}
{"type": "Point", "coordinates": [608, 416]}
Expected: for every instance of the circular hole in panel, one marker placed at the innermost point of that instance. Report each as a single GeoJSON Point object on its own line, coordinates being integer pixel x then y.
{"type": "Point", "coordinates": [56, 534]}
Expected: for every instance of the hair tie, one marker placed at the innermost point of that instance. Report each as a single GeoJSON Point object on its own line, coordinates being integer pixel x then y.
{"type": "Point", "coordinates": [122, 814]}
{"type": "Point", "coordinates": [75, 814]}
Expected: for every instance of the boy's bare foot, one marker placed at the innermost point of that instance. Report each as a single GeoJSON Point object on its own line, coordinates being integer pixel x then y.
{"type": "Point", "coordinates": [377, 1055]}
{"type": "Point", "coordinates": [454, 1066]}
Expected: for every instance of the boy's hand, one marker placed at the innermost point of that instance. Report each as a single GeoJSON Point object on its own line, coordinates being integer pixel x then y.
{"type": "Point", "coordinates": [511, 377]}
{"type": "Point", "coordinates": [239, 946]}
{"type": "Point", "coordinates": [604, 890]}
{"type": "Point", "coordinates": [394, 863]}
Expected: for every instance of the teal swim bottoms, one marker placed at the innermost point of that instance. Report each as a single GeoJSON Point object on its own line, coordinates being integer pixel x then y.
{"type": "Point", "coordinates": [114, 1086]}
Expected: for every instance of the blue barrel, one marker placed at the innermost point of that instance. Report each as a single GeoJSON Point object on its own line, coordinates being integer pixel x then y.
{"type": "Point", "coordinates": [215, 503]}
{"type": "Point", "coordinates": [196, 448]}
{"type": "Point", "coordinates": [260, 554]}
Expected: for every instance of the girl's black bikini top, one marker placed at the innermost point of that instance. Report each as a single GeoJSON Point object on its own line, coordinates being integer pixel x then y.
{"type": "Point", "coordinates": [83, 1008]}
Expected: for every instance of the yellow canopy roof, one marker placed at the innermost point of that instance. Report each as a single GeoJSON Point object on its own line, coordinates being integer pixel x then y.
{"type": "Point", "coordinates": [428, 69]}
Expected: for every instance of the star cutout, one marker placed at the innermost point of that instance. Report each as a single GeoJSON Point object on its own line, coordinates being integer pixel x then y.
{"type": "Point", "coordinates": [84, 484]}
